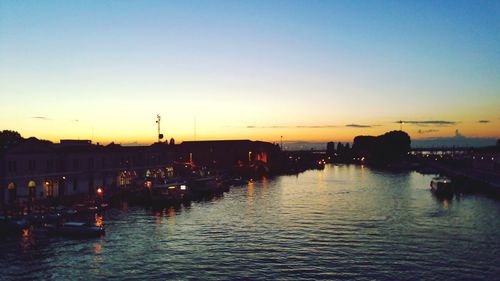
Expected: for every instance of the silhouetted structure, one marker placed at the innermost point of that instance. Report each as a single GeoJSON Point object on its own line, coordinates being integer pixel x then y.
{"type": "Point", "coordinates": [330, 149]}
{"type": "Point", "coordinates": [9, 139]}
{"type": "Point", "coordinates": [40, 170]}
{"type": "Point", "coordinates": [382, 149]}
{"type": "Point", "coordinates": [228, 154]}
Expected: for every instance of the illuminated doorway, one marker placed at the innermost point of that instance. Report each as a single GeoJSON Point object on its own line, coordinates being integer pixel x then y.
{"type": "Point", "coordinates": [32, 189]}
{"type": "Point", "coordinates": [49, 188]}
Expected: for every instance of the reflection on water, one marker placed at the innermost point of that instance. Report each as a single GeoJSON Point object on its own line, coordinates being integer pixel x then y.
{"type": "Point", "coordinates": [98, 220]}
{"type": "Point", "coordinates": [250, 192]}
{"type": "Point", "coordinates": [445, 204]}
{"type": "Point", "coordinates": [345, 222]}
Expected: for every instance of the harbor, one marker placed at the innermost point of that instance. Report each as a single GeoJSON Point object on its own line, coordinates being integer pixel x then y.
{"type": "Point", "coordinates": [344, 222]}
{"type": "Point", "coordinates": [249, 140]}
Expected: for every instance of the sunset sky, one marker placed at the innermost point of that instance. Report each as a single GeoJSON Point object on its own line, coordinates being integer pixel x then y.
{"type": "Point", "coordinates": [304, 70]}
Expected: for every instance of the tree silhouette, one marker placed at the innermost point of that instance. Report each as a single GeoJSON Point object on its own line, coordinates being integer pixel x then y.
{"type": "Point", "coordinates": [9, 139]}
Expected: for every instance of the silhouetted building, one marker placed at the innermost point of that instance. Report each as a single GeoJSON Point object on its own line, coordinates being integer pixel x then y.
{"type": "Point", "coordinates": [388, 147]}
{"type": "Point", "coordinates": [37, 169]}
{"type": "Point", "coordinates": [486, 158]}
{"type": "Point", "coordinates": [226, 154]}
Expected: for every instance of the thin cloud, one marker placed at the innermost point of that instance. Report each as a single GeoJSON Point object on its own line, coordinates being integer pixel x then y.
{"type": "Point", "coordinates": [428, 122]}
{"type": "Point", "coordinates": [427, 131]}
{"type": "Point", "coordinates": [483, 121]}
{"type": "Point", "coordinates": [41, 118]}
{"type": "Point", "coordinates": [292, 127]}
{"type": "Point", "coordinates": [316, 126]}
{"type": "Point", "coordinates": [359, 126]}
{"type": "Point", "coordinates": [266, 127]}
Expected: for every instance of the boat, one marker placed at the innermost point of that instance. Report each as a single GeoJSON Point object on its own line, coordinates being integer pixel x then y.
{"type": "Point", "coordinates": [441, 185]}
{"type": "Point", "coordinates": [205, 186]}
{"type": "Point", "coordinates": [234, 181]}
{"type": "Point", "coordinates": [170, 192]}
{"type": "Point", "coordinates": [13, 224]}
{"type": "Point", "coordinates": [76, 229]}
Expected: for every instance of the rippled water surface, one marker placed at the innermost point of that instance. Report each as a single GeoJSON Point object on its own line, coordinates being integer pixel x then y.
{"type": "Point", "coordinates": [345, 222]}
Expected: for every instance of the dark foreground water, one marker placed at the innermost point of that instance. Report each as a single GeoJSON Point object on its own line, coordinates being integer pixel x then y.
{"type": "Point", "coordinates": [346, 222]}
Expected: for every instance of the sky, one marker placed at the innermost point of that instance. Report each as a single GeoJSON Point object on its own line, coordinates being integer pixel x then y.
{"type": "Point", "coordinates": [260, 70]}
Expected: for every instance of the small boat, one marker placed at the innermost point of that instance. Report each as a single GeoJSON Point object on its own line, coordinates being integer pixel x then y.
{"type": "Point", "coordinates": [441, 185]}
{"type": "Point", "coordinates": [13, 225]}
{"type": "Point", "coordinates": [170, 192]}
{"type": "Point", "coordinates": [76, 229]}
{"type": "Point", "coordinates": [205, 186]}
{"type": "Point", "coordinates": [234, 181]}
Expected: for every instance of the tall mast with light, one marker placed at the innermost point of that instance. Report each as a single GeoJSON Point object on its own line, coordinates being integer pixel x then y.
{"type": "Point", "coordinates": [158, 119]}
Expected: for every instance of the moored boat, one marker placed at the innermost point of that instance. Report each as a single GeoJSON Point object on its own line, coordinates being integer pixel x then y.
{"type": "Point", "coordinates": [76, 229]}
{"type": "Point", "coordinates": [205, 186]}
{"type": "Point", "coordinates": [170, 192]}
{"type": "Point", "coordinates": [441, 185]}
{"type": "Point", "coordinates": [12, 224]}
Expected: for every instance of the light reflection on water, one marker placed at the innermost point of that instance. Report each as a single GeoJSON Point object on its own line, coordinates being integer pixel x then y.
{"type": "Point", "coordinates": [344, 222]}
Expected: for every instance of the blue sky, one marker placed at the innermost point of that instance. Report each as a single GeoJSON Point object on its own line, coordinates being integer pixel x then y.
{"type": "Point", "coordinates": [231, 65]}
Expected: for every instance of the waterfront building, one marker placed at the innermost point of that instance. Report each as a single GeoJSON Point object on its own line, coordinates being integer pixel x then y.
{"type": "Point", "coordinates": [487, 159]}
{"type": "Point", "coordinates": [38, 170]}
{"type": "Point", "coordinates": [227, 154]}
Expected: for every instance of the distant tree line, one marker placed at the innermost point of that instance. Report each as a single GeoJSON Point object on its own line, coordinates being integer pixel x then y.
{"type": "Point", "coordinates": [9, 139]}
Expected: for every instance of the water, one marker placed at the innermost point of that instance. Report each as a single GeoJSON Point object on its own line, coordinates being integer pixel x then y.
{"type": "Point", "coordinates": [345, 222]}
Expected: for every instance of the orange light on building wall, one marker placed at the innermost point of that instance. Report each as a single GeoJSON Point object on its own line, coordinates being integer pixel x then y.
{"type": "Point", "coordinates": [262, 156]}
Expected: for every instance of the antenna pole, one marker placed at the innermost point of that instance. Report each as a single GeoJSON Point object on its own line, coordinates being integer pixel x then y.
{"type": "Point", "coordinates": [158, 119]}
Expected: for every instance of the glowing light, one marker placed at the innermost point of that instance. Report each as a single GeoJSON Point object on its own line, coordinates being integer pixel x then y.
{"type": "Point", "coordinates": [11, 186]}
{"type": "Point", "coordinates": [99, 191]}
{"type": "Point", "coordinates": [183, 187]}
{"type": "Point", "coordinates": [171, 187]}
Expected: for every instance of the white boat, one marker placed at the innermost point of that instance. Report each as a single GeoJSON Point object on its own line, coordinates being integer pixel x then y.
{"type": "Point", "coordinates": [441, 185]}
{"type": "Point", "coordinates": [77, 229]}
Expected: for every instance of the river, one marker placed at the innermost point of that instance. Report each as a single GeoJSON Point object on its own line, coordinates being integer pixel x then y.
{"type": "Point", "coordinates": [345, 222]}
